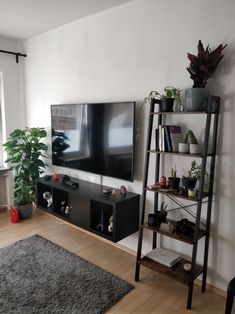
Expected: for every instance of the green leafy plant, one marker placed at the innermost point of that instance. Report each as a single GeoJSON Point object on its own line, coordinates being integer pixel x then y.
{"type": "Point", "coordinates": [169, 92]}
{"type": "Point", "coordinates": [24, 149]}
{"type": "Point", "coordinates": [195, 170]}
{"type": "Point", "coordinates": [203, 65]}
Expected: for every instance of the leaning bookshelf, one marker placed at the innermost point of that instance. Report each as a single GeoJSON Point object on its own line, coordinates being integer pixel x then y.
{"type": "Point", "coordinates": [177, 271]}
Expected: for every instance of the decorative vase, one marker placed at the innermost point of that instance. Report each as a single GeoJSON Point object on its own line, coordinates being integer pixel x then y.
{"type": "Point", "coordinates": [195, 99]}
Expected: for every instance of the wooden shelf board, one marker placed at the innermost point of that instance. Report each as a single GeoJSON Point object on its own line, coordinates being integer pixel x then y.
{"type": "Point", "coordinates": [175, 193]}
{"type": "Point", "coordinates": [177, 153]}
{"type": "Point", "coordinates": [174, 235]}
{"type": "Point", "coordinates": [177, 271]}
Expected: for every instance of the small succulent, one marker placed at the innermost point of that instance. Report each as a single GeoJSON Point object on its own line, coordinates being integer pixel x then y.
{"type": "Point", "coordinates": [190, 138]}
{"type": "Point", "coordinates": [203, 65]}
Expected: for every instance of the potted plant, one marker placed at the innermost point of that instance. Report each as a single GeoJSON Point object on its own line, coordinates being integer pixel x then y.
{"type": "Point", "coordinates": [194, 173]}
{"type": "Point", "coordinates": [170, 94]}
{"type": "Point", "coordinates": [173, 181]}
{"type": "Point", "coordinates": [183, 147]}
{"type": "Point", "coordinates": [24, 149]}
{"type": "Point", "coordinates": [168, 97]}
{"type": "Point", "coordinates": [161, 214]}
{"type": "Point", "coordinates": [201, 68]}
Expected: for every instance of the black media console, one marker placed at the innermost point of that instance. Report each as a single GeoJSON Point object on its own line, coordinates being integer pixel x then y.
{"type": "Point", "coordinates": [88, 207]}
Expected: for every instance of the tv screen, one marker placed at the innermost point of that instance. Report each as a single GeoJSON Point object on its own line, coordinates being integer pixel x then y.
{"type": "Point", "coordinates": [97, 138]}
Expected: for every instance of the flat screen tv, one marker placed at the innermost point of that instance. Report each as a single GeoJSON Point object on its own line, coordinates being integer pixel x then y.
{"type": "Point", "coordinates": [97, 138]}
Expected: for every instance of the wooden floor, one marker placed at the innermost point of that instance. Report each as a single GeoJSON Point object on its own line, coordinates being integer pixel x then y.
{"type": "Point", "coordinates": [153, 294]}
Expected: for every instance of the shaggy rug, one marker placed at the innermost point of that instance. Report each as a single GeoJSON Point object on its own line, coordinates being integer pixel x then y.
{"type": "Point", "coordinates": [38, 276]}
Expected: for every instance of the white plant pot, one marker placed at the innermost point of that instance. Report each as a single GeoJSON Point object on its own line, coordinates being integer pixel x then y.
{"type": "Point", "coordinates": [192, 193]}
{"type": "Point", "coordinates": [183, 148]}
{"type": "Point", "coordinates": [195, 149]}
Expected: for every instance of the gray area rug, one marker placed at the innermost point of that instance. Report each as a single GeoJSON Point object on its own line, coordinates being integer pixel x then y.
{"type": "Point", "coordinates": [38, 276]}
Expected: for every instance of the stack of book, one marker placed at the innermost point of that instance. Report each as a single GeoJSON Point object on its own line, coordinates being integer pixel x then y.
{"type": "Point", "coordinates": [168, 137]}
{"type": "Point", "coordinates": [164, 257]}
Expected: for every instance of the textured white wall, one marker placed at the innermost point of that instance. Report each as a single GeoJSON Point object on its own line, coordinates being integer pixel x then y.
{"type": "Point", "coordinates": [122, 54]}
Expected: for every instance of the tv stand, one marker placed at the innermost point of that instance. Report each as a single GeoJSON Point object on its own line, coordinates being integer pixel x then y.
{"type": "Point", "coordinates": [88, 207]}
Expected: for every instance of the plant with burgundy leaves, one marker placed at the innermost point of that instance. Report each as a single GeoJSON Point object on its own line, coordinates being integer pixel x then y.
{"type": "Point", "coordinates": [203, 65]}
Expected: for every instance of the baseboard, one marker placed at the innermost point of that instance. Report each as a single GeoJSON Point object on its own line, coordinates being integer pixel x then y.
{"type": "Point", "coordinates": [3, 208]}
{"type": "Point", "coordinates": [198, 282]}
{"type": "Point", "coordinates": [212, 288]}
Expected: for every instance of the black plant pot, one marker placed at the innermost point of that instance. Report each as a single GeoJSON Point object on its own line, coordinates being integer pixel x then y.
{"type": "Point", "coordinates": [156, 219]}
{"type": "Point", "coordinates": [167, 104]}
{"type": "Point", "coordinates": [173, 183]}
{"type": "Point", "coordinates": [189, 183]}
{"type": "Point", "coordinates": [160, 217]}
{"type": "Point", "coordinates": [25, 211]}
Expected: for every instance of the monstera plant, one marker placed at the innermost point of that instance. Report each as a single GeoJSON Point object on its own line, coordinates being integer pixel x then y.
{"type": "Point", "coordinates": [25, 149]}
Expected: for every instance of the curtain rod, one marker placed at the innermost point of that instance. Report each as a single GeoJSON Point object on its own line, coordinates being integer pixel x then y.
{"type": "Point", "coordinates": [17, 54]}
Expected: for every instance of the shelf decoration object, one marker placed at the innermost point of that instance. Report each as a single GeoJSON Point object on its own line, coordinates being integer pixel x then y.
{"type": "Point", "coordinates": [189, 232]}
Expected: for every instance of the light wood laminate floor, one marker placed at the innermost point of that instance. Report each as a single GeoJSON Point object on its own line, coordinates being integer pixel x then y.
{"type": "Point", "coordinates": [155, 293]}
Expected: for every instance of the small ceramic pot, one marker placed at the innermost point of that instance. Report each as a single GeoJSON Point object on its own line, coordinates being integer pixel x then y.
{"type": "Point", "coordinates": [183, 148]}
{"type": "Point", "coordinates": [195, 149]}
{"type": "Point", "coordinates": [192, 192]}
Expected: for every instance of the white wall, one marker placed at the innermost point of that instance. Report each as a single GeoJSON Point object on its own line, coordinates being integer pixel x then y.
{"type": "Point", "coordinates": [12, 75]}
{"type": "Point", "coordinates": [122, 54]}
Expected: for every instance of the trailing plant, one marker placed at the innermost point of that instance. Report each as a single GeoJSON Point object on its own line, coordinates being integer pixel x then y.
{"type": "Point", "coordinates": [169, 92]}
{"type": "Point", "coordinates": [203, 65]}
{"type": "Point", "coordinates": [24, 149]}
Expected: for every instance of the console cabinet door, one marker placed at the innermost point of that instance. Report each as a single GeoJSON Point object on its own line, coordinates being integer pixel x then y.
{"type": "Point", "coordinates": [80, 212]}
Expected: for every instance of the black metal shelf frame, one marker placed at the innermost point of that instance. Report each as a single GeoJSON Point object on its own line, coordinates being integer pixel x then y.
{"type": "Point", "coordinates": [159, 156]}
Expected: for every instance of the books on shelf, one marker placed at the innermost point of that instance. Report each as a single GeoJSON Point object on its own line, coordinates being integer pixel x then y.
{"type": "Point", "coordinates": [164, 256]}
{"type": "Point", "coordinates": [168, 137]}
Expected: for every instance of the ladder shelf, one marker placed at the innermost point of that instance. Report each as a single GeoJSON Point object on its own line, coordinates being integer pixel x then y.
{"type": "Point", "coordinates": [177, 271]}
